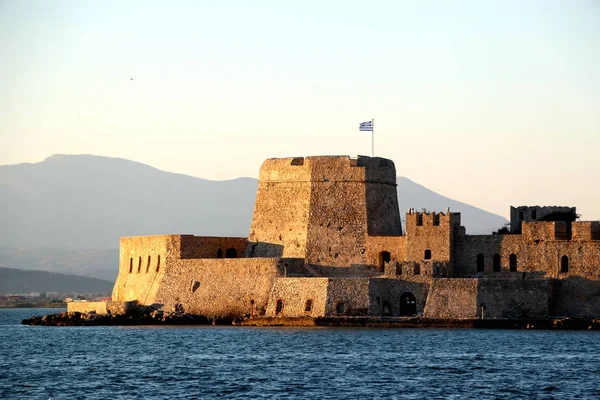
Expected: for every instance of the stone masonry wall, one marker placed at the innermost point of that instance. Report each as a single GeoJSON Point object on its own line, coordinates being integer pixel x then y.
{"type": "Point", "coordinates": [294, 293]}
{"type": "Point", "coordinates": [538, 258]}
{"type": "Point", "coordinates": [452, 299]}
{"type": "Point", "coordinates": [352, 293]}
{"type": "Point", "coordinates": [142, 264]}
{"type": "Point", "coordinates": [223, 287]}
{"type": "Point", "coordinates": [513, 299]}
{"type": "Point", "coordinates": [208, 246]}
{"type": "Point", "coordinates": [386, 293]}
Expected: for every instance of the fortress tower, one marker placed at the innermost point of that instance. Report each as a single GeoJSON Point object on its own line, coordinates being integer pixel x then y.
{"type": "Point", "coordinates": [323, 209]}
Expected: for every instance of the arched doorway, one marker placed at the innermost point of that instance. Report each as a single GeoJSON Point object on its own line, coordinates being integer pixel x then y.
{"type": "Point", "coordinates": [219, 253]}
{"type": "Point", "coordinates": [384, 257]}
{"type": "Point", "coordinates": [408, 304]}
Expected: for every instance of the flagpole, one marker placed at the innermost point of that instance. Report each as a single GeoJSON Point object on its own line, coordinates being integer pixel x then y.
{"type": "Point", "coordinates": [372, 138]}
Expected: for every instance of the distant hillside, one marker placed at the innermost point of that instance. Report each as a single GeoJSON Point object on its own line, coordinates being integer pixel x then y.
{"type": "Point", "coordinates": [476, 220]}
{"type": "Point", "coordinates": [101, 264]}
{"type": "Point", "coordinates": [18, 281]}
{"type": "Point", "coordinates": [66, 213]}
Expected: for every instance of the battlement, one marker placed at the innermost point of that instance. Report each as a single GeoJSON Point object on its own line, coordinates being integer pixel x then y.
{"type": "Point", "coordinates": [431, 219]}
{"type": "Point", "coordinates": [539, 213]}
{"type": "Point", "coordinates": [328, 169]}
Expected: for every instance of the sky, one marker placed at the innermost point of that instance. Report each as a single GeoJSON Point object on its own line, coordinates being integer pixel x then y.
{"type": "Point", "coordinates": [493, 103]}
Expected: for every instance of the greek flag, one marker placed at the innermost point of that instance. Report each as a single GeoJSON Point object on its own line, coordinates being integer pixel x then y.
{"type": "Point", "coordinates": [366, 126]}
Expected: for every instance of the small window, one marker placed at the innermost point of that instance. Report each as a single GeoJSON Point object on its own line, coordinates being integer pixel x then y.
{"type": "Point", "coordinates": [534, 215]}
{"type": "Point", "coordinates": [480, 262]}
{"type": "Point", "coordinates": [496, 262]}
{"type": "Point", "coordinates": [340, 308]}
{"type": "Point", "coordinates": [564, 264]}
{"type": "Point", "coordinates": [131, 265]}
{"type": "Point", "coordinates": [384, 257]}
{"type": "Point", "coordinates": [219, 253]}
{"type": "Point", "coordinates": [427, 255]}
{"type": "Point", "coordinates": [513, 262]}
{"type": "Point", "coordinates": [195, 286]}
{"type": "Point", "coordinates": [148, 266]}
{"type": "Point", "coordinates": [417, 270]}
{"type": "Point", "coordinates": [298, 161]}
{"type": "Point", "coordinates": [436, 219]}
{"type": "Point", "coordinates": [308, 305]}
{"type": "Point", "coordinates": [231, 253]}
{"type": "Point", "coordinates": [139, 264]}
{"type": "Point", "coordinates": [157, 263]}
{"type": "Point", "coordinates": [279, 307]}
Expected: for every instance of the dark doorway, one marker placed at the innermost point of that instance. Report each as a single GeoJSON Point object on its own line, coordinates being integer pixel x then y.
{"type": "Point", "coordinates": [564, 264]}
{"type": "Point", "coordinates": [219, 253]}
{"type": "Point", "coordinates": [496, 263]}
{"type": "Point", "coordinates": [480, 262]}
{"type": "Point", "coordinates": [384, 257]}
{"type": "Point", "coordinates": [279, 307]}
{"type": "Point", "coordinates": [231, 253]}
{"type": "Point", "coordinates": [340, 308]}
{"type": "Point", "coordinates": [427, 255]}
{"type": "Point", "coordinates": [513, 262]}
{"type": "Point", "coordinates": [408, 304]}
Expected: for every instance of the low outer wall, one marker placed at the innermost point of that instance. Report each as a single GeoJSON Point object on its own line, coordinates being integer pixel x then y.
{"type": "Point", "coordinates": [513, 299]}
{"type": "Point", "coordinates": [294, 293]}
{"type": "Point", "coordinates": [101, 307]}
{"type": "Point", "coordinates": [390, 291]}
{"type": "Point", "coordinates": [576, 297]}
{"type": "Point", "coordinates": [452, 299]}
{"type": "Point", "coordinates": [222, 287]}
{"type": "Point", "coordinates": [352, 292]}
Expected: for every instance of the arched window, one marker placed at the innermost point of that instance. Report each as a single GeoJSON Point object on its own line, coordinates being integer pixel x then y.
{"type": "Point", "coordinates": [427, 255]}
{"type": "Point", "coordinates": [564, 264]}
{"type": "Point", "coordinates": [158, 263]}
{"type": "Point", "coordinates": [148, 266]}
{"type": "Point", "coordinates": [513, 262]}
{"type": "Point", "coordinates": [308, 305]}
{"type": "Point", "coordinates": [417, 270]}
{"type": "Point", "coordinates": [340, 308]}
{"type": "Point", "coordinates": [480, 262]}
{"type": "Point", "coordinates": [219, 253]}
{"type": "Point", "coordinates": [384, 256]}
{"type": "Point", "coordinates": [231, 253]}
{"type": "Point", "coordinates": [131, 265]}
{"type": "Point", "coordinates": [496, 263]}
{"type": "Point", "coordinates": [279, 307]}
{"type": "Point", "coordinates": [139, 264]}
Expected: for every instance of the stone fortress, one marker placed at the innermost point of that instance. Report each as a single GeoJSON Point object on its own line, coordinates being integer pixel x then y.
{"type": "Point", "coordinates": [326, 240]}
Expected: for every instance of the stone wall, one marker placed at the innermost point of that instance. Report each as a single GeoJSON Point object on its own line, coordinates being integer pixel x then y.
{"type": "Point", "coordinates": [452, 299]}
{"type": "Point", "coordinates": [395, 245]}
{"type": "Point", "coordinates": [386, 296]}
{"type": "Point", "coordinates": [101, 307]}
{"type": "Point", "coordinates": [298, 297]}
{"type": "Point", "coordinates": [142, 263]}
{"type": "Point", "coordinates": [534, 256]}
{"type": "Point", "coordinates": [513, 298]}
{"type": "Point", "coordinates": [223, 287]}
{"type": "Point", "coordinates": [212, 247]}
{"type": "Point", "coordinates": [576, 297]}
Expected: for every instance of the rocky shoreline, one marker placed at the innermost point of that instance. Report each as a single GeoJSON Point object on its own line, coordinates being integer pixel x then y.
{"type": "Point", "coordinates": [158, 317]}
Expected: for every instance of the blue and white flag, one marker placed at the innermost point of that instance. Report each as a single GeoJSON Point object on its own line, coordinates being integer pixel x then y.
{"type": "Point", "coordinates": [366, 126]}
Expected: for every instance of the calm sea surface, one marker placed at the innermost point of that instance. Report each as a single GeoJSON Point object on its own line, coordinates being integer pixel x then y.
{"type": "Point", "coordinates": [307, 363]}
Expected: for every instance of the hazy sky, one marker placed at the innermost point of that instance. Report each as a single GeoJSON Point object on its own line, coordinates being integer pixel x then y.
{"type": "Point", "coordinates": [489, 102]}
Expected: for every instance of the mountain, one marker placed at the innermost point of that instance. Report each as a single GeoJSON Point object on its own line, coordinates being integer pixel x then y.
{"type": "Point", "coordinates": [476, 220]}
{"type": "Point", "coordinates": [66, 213]}
{"type": "Point", "coordinates": [18, 281]}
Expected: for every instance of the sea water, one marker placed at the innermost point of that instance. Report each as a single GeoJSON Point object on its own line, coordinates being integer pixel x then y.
{"type": "Point", "coordinates": [196, 362]}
